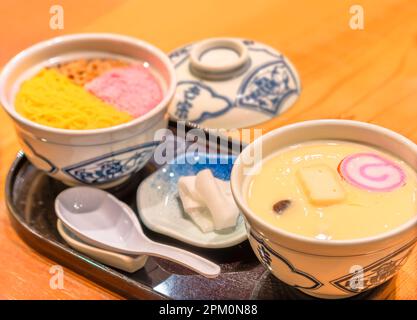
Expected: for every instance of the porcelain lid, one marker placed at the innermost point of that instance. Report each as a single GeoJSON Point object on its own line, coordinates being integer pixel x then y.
{"type": "Point", "coordinates": [231, 83]}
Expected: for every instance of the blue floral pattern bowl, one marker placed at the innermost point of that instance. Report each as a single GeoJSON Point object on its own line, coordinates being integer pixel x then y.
{"type": "Point", "coordinates": [103, 157]}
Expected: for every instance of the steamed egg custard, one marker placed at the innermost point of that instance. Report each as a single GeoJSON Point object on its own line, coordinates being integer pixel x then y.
{"type": "Point", "coordinates": [333, 190]}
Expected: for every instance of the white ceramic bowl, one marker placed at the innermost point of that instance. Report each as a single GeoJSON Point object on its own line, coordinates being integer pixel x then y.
{"type": "Point", "coordinates": [335, 268]}
{"type": "Point", "coordinates": [102, 157]}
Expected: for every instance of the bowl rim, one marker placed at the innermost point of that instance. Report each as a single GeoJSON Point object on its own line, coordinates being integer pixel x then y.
{"type": "Point", "coordinates": [309, 240]}
{"type": "Point", "coordinates": [11, 65]}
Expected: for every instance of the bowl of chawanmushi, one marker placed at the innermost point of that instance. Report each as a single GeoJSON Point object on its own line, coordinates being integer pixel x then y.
{"type": "Point", "coordinates": [330, 205]}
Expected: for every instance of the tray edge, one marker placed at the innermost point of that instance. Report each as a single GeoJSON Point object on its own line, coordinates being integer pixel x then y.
{"type": "Point", "coordinates": [49, 249]}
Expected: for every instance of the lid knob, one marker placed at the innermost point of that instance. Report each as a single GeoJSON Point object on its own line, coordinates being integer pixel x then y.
{"type": "Point", "coordinates": [219, 58]}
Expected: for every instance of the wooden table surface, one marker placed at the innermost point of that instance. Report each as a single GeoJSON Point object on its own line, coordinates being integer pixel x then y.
{"type": "Point", "coordinates": [368, 75]}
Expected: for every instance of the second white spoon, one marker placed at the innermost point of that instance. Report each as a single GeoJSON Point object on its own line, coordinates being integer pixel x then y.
{"type": "Point", "coordinates": [100, 219]}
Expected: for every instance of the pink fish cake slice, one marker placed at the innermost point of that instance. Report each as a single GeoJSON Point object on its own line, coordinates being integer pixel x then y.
{"type": "Point", "coordinates": [130, 89]}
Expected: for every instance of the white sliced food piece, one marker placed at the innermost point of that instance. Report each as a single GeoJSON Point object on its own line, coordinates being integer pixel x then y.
{"type": "Point", "coordinates": [222, 209]}
{"type": "Point", "coordinates": [188, 194]}
{"type": "Point", "coordinates": [193, 204]}
{"type": "Point", "coordinates": [321, 185]}
{"type": "Point", "coordinates": [202, 218]}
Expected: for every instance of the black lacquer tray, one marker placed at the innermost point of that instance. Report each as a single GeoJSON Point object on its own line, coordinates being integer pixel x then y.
{"type": "Point", "coordinates": [30, 196]}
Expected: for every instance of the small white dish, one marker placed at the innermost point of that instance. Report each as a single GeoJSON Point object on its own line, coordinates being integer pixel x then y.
{"type": "Point", "coordinates": [128, 263]}
{"type": "Point", "coordinates": [160, 208]}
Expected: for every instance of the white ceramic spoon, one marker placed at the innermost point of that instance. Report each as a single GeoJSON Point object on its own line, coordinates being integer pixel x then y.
{"type": "Point", "coordinates": [100, 219]}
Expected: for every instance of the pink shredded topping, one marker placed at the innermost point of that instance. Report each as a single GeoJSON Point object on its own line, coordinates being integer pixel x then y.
{"type": "Point", "coordinates": [132, 89]}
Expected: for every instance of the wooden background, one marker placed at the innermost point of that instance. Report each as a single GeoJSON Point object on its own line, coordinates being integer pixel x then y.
{"type": "Point", "coordinates": [368, 75]}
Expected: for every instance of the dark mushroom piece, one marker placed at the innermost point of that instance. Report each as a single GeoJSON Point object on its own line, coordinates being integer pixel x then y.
{"type": "Point", "coordinates": [281, 206]}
